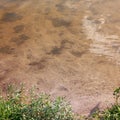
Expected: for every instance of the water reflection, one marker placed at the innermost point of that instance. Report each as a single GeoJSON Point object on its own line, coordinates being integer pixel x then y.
{"type": "Point", "coordinates": [102, 27]}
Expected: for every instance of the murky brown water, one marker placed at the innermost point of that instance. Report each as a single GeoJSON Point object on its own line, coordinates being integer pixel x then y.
{"type": "Point", "coordinates": [63, 47]}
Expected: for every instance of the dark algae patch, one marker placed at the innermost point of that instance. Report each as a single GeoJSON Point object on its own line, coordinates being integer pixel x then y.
{"type": "Point", "coordinates": [60, 7]}
{"type": "Point", "coordinates": [11, 17]}
{"type": "Point", "coordinates": [58, 22]}
{"type": "Point", "coordinates": [38, 64]}
{"type": "Point", "coordinates": [56, 51]}
{"type": "Point", "coordinates": [6, 50]}
{"type": "Point", "coordinates": [18, 28]}
{"type": "Point", "coordinates": [77, 53]}
{"type": "Point", "coordinates": [20, 39]}
{"type": "Point", "coordinates": [64, 42]}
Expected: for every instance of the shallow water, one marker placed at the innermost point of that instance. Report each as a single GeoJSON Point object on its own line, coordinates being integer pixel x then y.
{"type": "Point", "coordinates": [65, 48]}
{"type": "Point", "coordinates": [103, 22]}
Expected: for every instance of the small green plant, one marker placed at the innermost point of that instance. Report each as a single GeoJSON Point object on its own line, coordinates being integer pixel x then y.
{"type": "Point", "coordinates": [116, 94]}
{"type": "Point", "coordinates": [45, 109]}
{"type": "Point", "coordinates": [16, 106]}
{"type": "Point", "coordinates": [111, 113]}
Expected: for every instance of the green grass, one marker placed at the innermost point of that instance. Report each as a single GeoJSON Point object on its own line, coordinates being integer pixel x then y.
{"type": "Point", "coordinates": [111, 113]}
{"type": "Point", "coordinates": [17, 106]}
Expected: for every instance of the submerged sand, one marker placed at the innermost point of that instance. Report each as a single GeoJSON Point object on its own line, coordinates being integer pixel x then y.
{"type": "Point", "coordinates": [63, 47]}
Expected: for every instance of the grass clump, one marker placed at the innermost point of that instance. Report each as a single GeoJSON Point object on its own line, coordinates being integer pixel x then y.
{"type": "Point", "coordinates": [17, 106]}
{"type": "Point", "coordinates": [111, 113]}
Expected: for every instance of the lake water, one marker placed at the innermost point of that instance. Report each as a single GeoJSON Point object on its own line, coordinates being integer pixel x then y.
{"type": "Point", "coordinates": [63, 47]}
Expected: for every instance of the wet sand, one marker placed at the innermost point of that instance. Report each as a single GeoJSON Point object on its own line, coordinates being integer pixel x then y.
{"type": "Point", "coordinates": [65, 48]}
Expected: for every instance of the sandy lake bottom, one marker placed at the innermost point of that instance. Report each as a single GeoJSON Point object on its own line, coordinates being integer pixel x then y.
{"type": "Point", "coordinates": [65, 48]}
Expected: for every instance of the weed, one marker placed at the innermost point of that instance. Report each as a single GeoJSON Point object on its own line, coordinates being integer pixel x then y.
{"type": "Point", "coordinates": [16, 106]}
